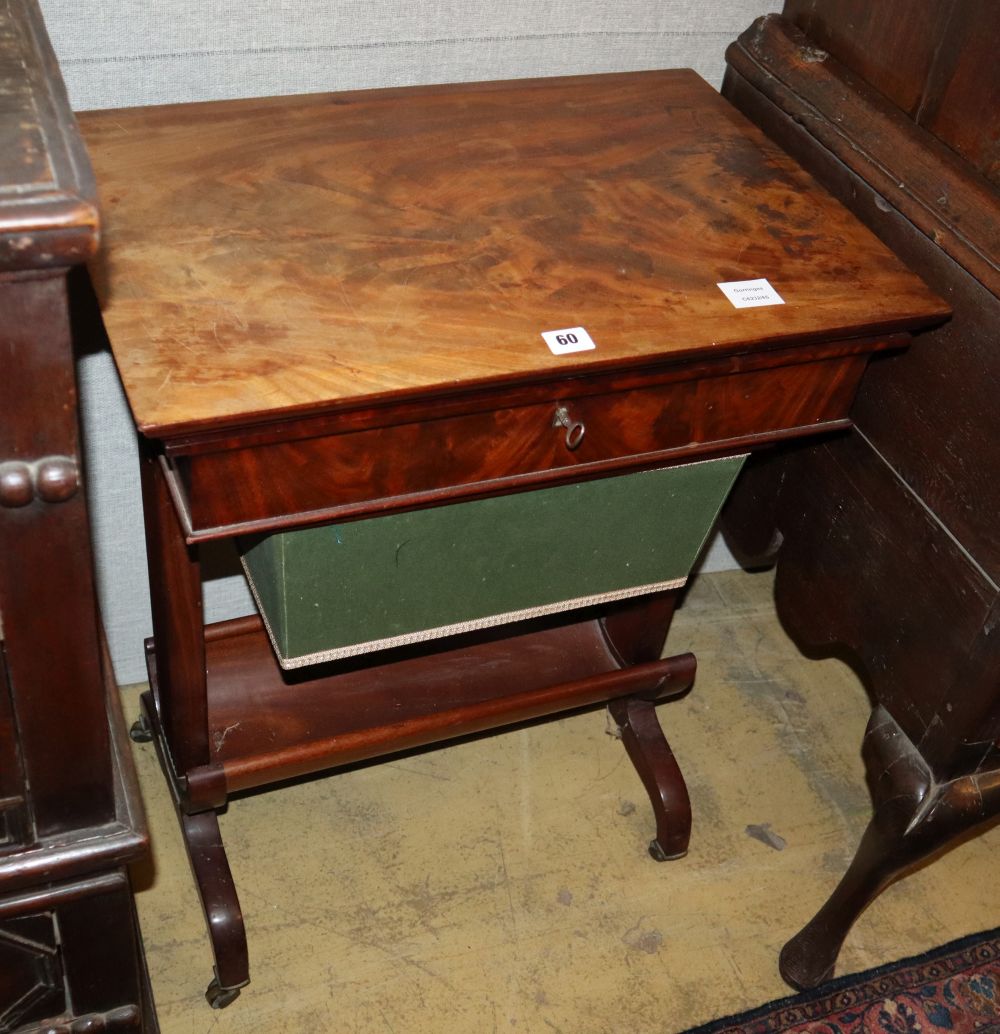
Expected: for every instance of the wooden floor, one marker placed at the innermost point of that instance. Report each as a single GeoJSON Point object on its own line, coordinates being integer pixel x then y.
{"type": "Point", "coordinates": [503, 884]}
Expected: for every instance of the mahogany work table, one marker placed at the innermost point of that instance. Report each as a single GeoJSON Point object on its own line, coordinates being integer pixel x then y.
{"type": "Point", "coordinates": [328, 312]}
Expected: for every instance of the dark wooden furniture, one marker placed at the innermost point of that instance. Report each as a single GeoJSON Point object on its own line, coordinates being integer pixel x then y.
{"type": "Point", "coordinates": [889, 547]}
{"type": "Point", "coordinates": [330, 307]}
{"type": "Point", "coordinates": [70, 816]}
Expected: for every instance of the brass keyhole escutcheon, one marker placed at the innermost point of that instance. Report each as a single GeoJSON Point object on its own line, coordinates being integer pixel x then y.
{"type": "Point", "coordinates": [575, 429]}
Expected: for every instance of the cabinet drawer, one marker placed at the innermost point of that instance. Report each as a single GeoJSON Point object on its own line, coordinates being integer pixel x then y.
{"type": "Point", "coordinates": [344, 589]}
{"type": "Point", "coordinates": [374, 468]}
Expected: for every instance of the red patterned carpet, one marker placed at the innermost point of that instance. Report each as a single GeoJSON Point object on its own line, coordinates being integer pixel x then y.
{"type": "Point", "coordinates": [954, 989]}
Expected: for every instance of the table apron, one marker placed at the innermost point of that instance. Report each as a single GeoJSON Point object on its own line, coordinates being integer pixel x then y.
{"type": "Point", "coordinates": [275, 485]}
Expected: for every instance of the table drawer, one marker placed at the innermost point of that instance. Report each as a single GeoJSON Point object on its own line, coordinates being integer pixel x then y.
{"type": "Point", "coordinates": [364, 470]}
{"type": "Point", "coordinates": [344, 589]}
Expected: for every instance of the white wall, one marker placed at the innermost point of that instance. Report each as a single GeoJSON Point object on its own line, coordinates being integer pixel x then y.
{"type": "Point", "coordinates": [116, 53]}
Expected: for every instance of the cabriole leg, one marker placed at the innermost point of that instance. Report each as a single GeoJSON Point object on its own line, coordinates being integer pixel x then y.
{"type": "Point", "coordinates": [214, 880]}
{"type": "Point", "coordinates": [914, 817]}
{"type": "Point", "coordinates": [653, 759]}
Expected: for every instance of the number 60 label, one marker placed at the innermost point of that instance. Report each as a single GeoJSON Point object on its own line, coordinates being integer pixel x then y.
{"type": "Point", "coordinates": [572, 339]}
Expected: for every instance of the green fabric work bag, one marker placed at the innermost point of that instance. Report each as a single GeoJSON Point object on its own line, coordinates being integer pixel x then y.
{"type": "Point", "coordinates": [345, 589]}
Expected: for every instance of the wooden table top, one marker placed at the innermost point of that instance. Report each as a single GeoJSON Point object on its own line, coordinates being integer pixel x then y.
{"type": "Point", "coordinates": [288, 255]}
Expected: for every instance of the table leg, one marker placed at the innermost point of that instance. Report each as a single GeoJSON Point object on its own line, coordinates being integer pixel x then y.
{"type": "Point", "coordinates": [636, 632]}
{"type": "Point", "coordinates": [660, 774]}
{"type": "Point", "coordinates": [213, 879]}
{"type": "Point", "coordinates": [914, 817]}
{"type": "Point", "coordinates": [866, 573]}
{"type": "Point", "coordinates": [637, 629]}
{"type": "Point", "coordinates": [178, 624]}
{"type": "Point", "coordinates": [176, 716]}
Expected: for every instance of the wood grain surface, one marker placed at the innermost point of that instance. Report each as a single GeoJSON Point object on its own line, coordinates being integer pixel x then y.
{"type": "Point", "coordinates": [892, 45]}
{"type": "Point", "coordinates": [941, 194]}
{"type": "Point", "coordinates": [931, 413]}
{"type": "Point", "coordinates": [289, 255]}
{"type": "Point", "coordinates": [267, 725]}
{"type": "Point", "coordinates": [931, 58]}
{"type": "Point", "coordinates": [321, 477]}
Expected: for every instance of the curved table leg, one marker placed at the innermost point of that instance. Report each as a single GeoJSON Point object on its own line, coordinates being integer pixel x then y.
{"type": "Point", "coordinates": [653, 759]}
{"type": "Point", "coordinates": [914, 817]}
{"type": "Point", "coordinates": [217, 891]}
{"type": "Point", "coordinates": [212, 875]}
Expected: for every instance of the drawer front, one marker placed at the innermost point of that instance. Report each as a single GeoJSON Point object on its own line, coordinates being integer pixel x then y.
{"type": "Point", "coordinates": [340, 590]}
{"type": "Point", "coordinates": [359, 468]}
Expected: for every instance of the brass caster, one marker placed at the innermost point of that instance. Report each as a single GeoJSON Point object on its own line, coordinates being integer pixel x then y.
{"type": "Point", "coordinates": [218, 997]}
{"type": "Point", "coordinates": [659, 855]}
{"type": "Point", "coordinates": [140, 731]}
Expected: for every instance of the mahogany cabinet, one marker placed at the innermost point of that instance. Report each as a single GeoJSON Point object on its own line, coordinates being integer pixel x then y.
{"type": "Point", "coordinates": [71, 820]}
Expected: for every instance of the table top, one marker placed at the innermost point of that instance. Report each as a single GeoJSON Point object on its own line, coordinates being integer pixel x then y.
{"type": "Point", "coordinates": [280, 256]}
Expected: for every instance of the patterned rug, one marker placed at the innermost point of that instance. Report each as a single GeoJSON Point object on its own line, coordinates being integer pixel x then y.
{"type": "Point", "coordinates": [953, 989]}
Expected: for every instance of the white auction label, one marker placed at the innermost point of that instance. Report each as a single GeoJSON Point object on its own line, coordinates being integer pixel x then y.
{"type": "Point", "coordinates": [748, 294]}
{"type": "Point", "coordinates": [572, 339]}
